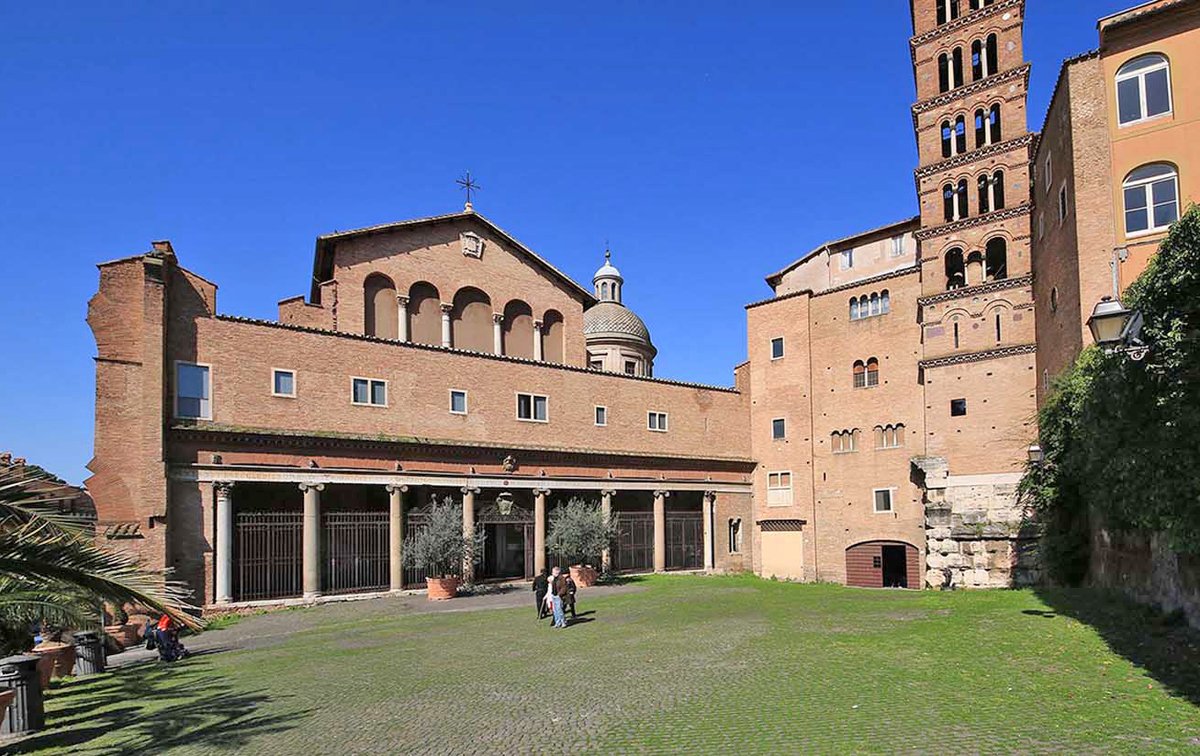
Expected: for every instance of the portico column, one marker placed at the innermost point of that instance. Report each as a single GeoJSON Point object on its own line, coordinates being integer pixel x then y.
{"type": "Point", "coordinates": [606, 512]}
{"type": "Point", "coordinates": [224, 565]}
{"type": "Point", "coordinates": [497, 333]}
{"type": "Point", "coordinates": [660, 530]}
{"type": "Point", "coordinates": [469, 532]}
{"type": "Point", "coordinates": [537, 340]}
{"type": "Point", "coordinates": [709, 500]}
{"type": "Point", "coordinates": [312, 538]}
{"type": "Point", "coordinates": [402, 316]}
{"type": "Point", "coordinates": [396, 536]}
{"type": "Point", "coordinates": [446, 337]}
{"type": "Point", "coordinates": [539, 529]}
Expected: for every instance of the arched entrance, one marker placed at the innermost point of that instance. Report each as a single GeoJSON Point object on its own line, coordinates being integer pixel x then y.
{"type": "Point", "coordinates": [883, 564]}
{"type": "Point", "coordinates": [508, 539]}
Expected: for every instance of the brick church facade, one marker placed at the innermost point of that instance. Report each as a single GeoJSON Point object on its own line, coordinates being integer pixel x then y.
{"type": "Point", "coordinates": [874, 436]}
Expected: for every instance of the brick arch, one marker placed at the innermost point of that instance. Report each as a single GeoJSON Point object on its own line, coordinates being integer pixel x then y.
{"type": "Point", "coordinates": [424, 313]}
{"type": "Point", "coordinates": [380, 314]}
{"type": "Point", "coordinates": [518, 329]}
{"type": "Point", "coordinates": [861, 561]}
{"type": "Point", "coordinates": [471, 320]}
{"type": "Point", "coordinates": [553, 335]}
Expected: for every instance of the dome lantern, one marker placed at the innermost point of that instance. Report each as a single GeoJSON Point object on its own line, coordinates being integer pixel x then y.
{"type": "Point", "coordinates": [608, 281]}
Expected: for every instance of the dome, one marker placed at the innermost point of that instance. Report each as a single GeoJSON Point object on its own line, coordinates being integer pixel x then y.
{"type": "Point", "coordinates": [613, 319]}
{"type": "Point", "coordinates": [607, 270]}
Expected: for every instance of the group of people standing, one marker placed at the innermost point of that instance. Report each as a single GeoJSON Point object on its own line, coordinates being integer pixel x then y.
{"type": "Point", "coordinates": [554, 596]}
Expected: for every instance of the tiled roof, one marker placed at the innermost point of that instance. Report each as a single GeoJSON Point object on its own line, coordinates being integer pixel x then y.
{"type": "Point", "coordinates": [614, 318]}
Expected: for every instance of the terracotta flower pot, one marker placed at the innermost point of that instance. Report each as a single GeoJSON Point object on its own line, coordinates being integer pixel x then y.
{"type": "Point", "coordinates": [59, 658]}
{"type": "Point", "coordinates": [583, 575]}
{"type": "Point", "coordinates": [440, 589]}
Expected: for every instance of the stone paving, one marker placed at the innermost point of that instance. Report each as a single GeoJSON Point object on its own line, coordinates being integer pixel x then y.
{"type": "Point", "coordinates": [670, 664]}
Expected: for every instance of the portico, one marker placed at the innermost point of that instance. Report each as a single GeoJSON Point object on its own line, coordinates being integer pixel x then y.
{"type": "Point", "coordinates": [307, 534]}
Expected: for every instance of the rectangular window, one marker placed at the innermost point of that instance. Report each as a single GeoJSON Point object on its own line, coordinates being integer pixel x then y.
{"type": "Point", "coordinates": [601, 415]}
{"type": "Point", "coordinates": [458, 402]}
{"type": "Point", "coordinates": [283, 383]}
{"type": "Point", "coordinates": [368, 391]}
{"type": "Point", "coordinates": [779, 489]}
{"type": "Point", "coordinates": [1049, 175]}
{"type": "Point", "coordinates": [656, 421]}
{"type": "Point", "coordinates": [897, 246]}
{"type": "Point", "coordinates": [596, 364]}
{"type": "Point", "coordinates": [193, 391]}
{"type": "Point", "coordinates": [847, 257]}
{"type": "Point", "coordinates": [883, 500]}
{"type": "Point", "coordinates": [1062, 203]}
{"type": "Point", "coordinates": [533, 408]}
{"type": "Point", "coordinates": [778, 428]}
{"type": "Point", "coordinates": [630, 367]}
{"type": "Point", "coordinates": [735, 536]}
{"type": "Point", "coordinates": [777, 348]}
{"type": "Point", "coordinates": [958, 407]}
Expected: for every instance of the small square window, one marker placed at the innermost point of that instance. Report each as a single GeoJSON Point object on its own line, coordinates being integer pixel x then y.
{"type": "Point", "coordinates": [958, 407]}
{"type": "Point", "coordinates": [877, 562]}
{"type": "Point", "coordinates": [458, 402]}
{"type": "Point", "coordinates": [601, 415]}
{"type": "Point", "coordinates": [630, 367]}
{"type": "Point", "coordinates": [368, 391]}
{"type": "Point", "coordinates": [777, 348]}
{"type": "Point", "coordinates": [596, 364]}
{"type": "Point", "coordinates": [883, 500]}
{"type": "Point", "coordinates": [778, 428]}
{"type": "Point", "coordinates": [283, 383]}
{"type": "Point", "coordinates": [656, 421]}
{"type": "Point", "coordinates": [533, 407]}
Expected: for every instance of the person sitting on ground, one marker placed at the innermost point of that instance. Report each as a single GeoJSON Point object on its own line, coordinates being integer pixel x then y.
{"type": "Point", "coordinates": [167, 640]}
{"type": "Point", "coordinates": [569, 601]}
{"type": "Point", "coordinates": [540, 586]}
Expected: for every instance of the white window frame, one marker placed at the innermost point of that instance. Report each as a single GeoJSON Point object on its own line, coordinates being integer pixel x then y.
{"type": "Point", "coordinates": [295, 388]}
{"type": "Point", "coordinates": [781, 499]}
{"type": "Point", "coordinates": [782, 348]}
{"type": "Point", "coordinates": [175, 392]}
{"type": "Point", "coordinates": [1049, 174]}
{"type": "Point", "coordinates": [596, 412]}
{"type": "Point", "coordinates": [1144, 185]}
{"type": "Point", "coordinates": [1062, 202]}
{"type": "Point", "coordinates": [387, 392]}
{"type": "Point", "coordinates": [846, 259]}
{"type": "Point", "coordinates": [778, 420]}
{"type": "Point", "coordinates": [466, 402]}
{"type": "Point", "coordinates": [1165, 63]}
{"type": "Point", "coordinates": [898, 245]}
{"type": "Point", "coordinates": [662, 416]}
{"type": "Point", "coordinates": [891, 492]}
{"type": "Point", "coordinates": [532, 407]}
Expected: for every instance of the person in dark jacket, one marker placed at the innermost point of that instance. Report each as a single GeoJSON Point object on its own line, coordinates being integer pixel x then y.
{"type": "Point", "coordinates": [569, 601]}
{"type": "Point", "coordinates": [540, 586]}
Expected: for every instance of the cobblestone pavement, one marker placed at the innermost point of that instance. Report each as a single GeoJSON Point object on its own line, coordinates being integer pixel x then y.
{"type": "Point", "coordinates": [673, 664]}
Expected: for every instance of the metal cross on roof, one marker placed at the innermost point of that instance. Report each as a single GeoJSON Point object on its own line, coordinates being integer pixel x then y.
{"type": "Point", "coordinates": [468, 184]}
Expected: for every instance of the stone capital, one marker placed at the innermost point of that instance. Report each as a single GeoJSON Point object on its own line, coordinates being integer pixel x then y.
{"type": "Point", "coordinates": [469, 490]}
{"type": "Point", "coordinates": [306, 487]}
{"type": "Point", "coordinates": [497, 317]}
{"type": "Point", "coordinates": [607, 492]}
{"type": "Point", "coordinates": [402, 300]}
{"type": "Point", "coordinates": [541, 492]}
{"type": "Point", "coordinates": [447, 307]}
{"type": "Point", "coordinates": [710, 495]}
{"type": "Point", "coordinates": [223, 487]}
{"type": "Point", "coordinates": [394, 487]}
{"type": "Point", "coordinates": [661, 494]}
{"type": "Point", "coordinates": [537, 325]}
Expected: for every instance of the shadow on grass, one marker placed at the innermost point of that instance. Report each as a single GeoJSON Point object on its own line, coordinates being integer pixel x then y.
{"type": "Point", "coordinates": [154, 708]}
{"type": "Point", "coordinates": [1163, 645]}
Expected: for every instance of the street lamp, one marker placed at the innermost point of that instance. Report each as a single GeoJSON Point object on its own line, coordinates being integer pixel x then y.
{"type": "Point", "coordinates": [1117, 329]}
{"type": "Point", "coordinates": [1035, 454]}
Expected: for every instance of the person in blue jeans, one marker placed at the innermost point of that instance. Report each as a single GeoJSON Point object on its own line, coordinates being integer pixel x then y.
{"type": "Point", "coordinates": [558, 587]}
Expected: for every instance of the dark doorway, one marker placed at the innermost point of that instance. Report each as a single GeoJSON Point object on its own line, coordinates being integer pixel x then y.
{"type": "Point", "coordinates": [503, 551]}
{"type": "Point", "coordinates": [895, 567]}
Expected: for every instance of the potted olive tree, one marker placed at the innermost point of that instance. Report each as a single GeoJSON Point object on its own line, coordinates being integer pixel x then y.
{"type": "Point", "coordinates": [580, 532]}
{"type": "Point", "coordinates": [440, 548]}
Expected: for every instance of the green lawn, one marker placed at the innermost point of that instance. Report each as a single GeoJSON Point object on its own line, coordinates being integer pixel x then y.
{"type": "Point", "coordinates": [693, 664]}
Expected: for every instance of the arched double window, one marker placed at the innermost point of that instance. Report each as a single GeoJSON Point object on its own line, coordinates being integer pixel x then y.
{"type": "Point", "coordinates": [991, 192]}
{"type": "Point", "coordinates": [1143, 89]}
{"type": "Point", "coordinates": [987, 126]}
{"type": "Point", "coordinates": [1151, 195]}
{"type": "Point", "coordinates": [870, 305]}
{"type": "Point", "coordinates": [844, 441]}
{"type": "Point", "coordinates": [950, 70]}
{"type": "Point", "coordinates": [956, 272]}
{"type": "Point", "coordinates": [984, 58]}
{"type": "Point", "coordinates": [866, 374]}
{"type": "Point", "coordinates": [954, 201]}
{"type": "Point", "coordinates": [947, 10]}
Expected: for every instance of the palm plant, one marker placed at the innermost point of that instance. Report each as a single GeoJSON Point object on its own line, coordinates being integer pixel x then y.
{"type": "Point", "coordinates": [52, 571]}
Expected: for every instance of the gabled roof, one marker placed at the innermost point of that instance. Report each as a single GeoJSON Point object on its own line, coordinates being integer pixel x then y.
{"type": "Point", "coordinates": [773, 279]}
{"type": "Point", "coordinates": [323, 256]}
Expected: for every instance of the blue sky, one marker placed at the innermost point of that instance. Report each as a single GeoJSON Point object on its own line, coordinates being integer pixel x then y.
{"type": "Point", "coordinates": [710, 143]}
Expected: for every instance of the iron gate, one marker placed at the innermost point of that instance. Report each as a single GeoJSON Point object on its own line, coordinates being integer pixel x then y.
{"type": "Point", "coordinates": [414, 577]}
{"type": "Point", "coordinates": [685, 541]}
{"type": "Point", "coordinates": [634, 550]}
{"type": "Point", "coordinates": [268, 555]}
{"type": "Point", "coordinates": [355, 552]}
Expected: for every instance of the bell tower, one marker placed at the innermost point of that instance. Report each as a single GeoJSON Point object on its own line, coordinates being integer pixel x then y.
{"type": "Point", "coordinates": [973, 187]}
